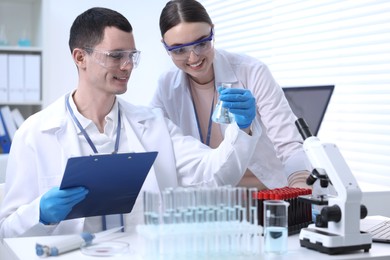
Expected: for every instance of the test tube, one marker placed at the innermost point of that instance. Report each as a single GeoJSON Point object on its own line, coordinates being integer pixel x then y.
{"type": "Point", "coordinates": [202, 241]}
{"type": "Point", "coordinates": [189, 205]}
{"type": "Point", "coordinates": [178, 205]}
{"type": "Point", "coordinates": [210, 203]}
{"type": "Point", "coordinates": [151, 208]}
{"type": "Point", "coordinates": [231, 203]}
{"type": "Point", "coordinates": [200, 203]}
{"type": "Point", "coordinates": [253, 219]}
{"type": "Point", "coordinates": [221, 205]}
{"type": "Point", "coordinates": [241, 204]}
{"type": "Point", "coordinates": [168, 210]}
{"type": "Point", "coordinates": [252, 201]}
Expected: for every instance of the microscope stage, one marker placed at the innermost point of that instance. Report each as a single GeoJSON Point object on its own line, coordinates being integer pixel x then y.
{"type": "Point", "coordinates": [330, 243]}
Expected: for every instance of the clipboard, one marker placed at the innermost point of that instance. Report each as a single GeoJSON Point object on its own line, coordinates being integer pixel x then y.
{"type": "Point", "coordinates": [113, 181]}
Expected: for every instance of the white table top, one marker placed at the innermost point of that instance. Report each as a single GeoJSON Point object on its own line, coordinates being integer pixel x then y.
{"type": "Point", "coordinates": [24, 248]}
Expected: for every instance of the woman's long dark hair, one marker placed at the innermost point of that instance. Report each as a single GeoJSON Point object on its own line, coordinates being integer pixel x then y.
{"type": "Point", "coordinates": [177, 11]}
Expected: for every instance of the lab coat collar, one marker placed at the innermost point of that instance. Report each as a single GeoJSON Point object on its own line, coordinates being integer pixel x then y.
{"type": "Point", "coordinates": [53, 120]}
{"type": "Point", "coordinates": [53, 115]}
{"type": "Point", "coordinates": [181, 80]}
{"type": "Point", "coordinates": [58, 122]}
{"type": "Point", "coordinates": [137, 115]}
{"type": "Point", "coordinates": [223, 72]}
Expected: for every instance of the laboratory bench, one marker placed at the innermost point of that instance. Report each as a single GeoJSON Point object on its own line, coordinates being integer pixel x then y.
{"type": "Point", "coordinates": [24, 248]}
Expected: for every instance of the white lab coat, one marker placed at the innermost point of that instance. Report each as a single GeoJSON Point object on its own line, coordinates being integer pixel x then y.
{"type": "Point", "coordinates": [279, 152]}
{"type": "Point", "coordinates": [46, 140]}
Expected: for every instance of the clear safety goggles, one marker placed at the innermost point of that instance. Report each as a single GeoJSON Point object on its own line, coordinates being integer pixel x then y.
{"type": "Point", "coordinates": [183, 51]}
{"type": "Point", "coordinates": [115, 59]}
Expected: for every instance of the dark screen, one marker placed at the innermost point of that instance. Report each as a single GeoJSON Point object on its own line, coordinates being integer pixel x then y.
{"type": "Point", "coordinates": [310, 103]}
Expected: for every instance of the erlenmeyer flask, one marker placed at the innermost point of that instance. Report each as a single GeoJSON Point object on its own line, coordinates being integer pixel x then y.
{"type": "Point", "coordinates": [221, 115]}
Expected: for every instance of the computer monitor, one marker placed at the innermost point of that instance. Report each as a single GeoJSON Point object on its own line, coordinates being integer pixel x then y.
{"type": "Point", "coordinates": [310, 103]}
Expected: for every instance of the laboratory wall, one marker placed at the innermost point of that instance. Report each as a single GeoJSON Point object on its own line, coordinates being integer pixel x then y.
{"type": "Point", "coordinates": [59, 72]}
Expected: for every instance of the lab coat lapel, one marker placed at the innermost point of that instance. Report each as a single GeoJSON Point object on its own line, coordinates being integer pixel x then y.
{"type": "Point", "coordinates": [138, 135]}
{"type": "Point", "coordinates": [223, 70]}
{"type": "Point", "coordinates": [133, 131]}
{"type": "Point", "coordinates": [61, 126]}
{"type": "Point", "coordinates": [136, 125]}
{"type": "Point", "coordinates": [141, 129]}
{"type": "Point", "coordinates": [68, 139]}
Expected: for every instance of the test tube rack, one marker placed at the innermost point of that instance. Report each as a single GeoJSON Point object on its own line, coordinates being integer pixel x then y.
{"type": "Point", "coordinates": [299, 211]}
{"type": "Point", "coordinates": [189, 223]}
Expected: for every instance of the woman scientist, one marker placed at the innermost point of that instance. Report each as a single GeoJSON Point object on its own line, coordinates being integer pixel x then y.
{"type": "Point", "coordinates": [188, 93]}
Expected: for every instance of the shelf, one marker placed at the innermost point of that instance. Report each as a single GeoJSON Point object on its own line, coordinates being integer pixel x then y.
{"type": "Point", "coordinates": [21, 103]}
{"type": "Point", "coordinates": [19, 49]}
{"type": "Point", "coordinates": [25, 109]}
{"type": "Point", "coordinates": [18, 1]}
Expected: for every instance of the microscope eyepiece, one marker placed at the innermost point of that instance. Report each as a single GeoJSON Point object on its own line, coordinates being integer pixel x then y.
{"type": "Point", "coordinates": [311, 179]}
{"type": "Point", "coordinates": [318, 174]}
{"type": "Point", "coordinates": [324, 183]}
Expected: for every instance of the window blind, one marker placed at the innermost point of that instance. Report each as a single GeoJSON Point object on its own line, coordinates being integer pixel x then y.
{"type": "Point", "coordinates": [342, 42]}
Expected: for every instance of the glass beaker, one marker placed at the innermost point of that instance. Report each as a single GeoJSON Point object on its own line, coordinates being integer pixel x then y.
{"type": "Point", "coordinates": [221, 115]}
{"type": "Point", "coordinates": [275, 226]}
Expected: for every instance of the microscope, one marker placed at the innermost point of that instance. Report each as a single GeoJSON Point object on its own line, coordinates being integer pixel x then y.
{"type": "Point", "coordinates": [337, 228]}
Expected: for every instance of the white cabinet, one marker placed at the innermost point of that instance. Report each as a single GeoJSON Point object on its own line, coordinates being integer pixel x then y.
{"type": "Point", "coordinates": [21, 20]}
{"type": "Point", "coordinates": [21, 55]}
{"type": "Point", "coordinates": [20, 59]}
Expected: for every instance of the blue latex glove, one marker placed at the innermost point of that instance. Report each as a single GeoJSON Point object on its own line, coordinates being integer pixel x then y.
{"type": "Point", "coordinates": [56, 204]}
{"type": "Point", "coordinates": [241, 103]}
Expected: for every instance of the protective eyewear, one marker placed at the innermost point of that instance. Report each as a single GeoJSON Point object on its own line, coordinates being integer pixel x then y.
{"type": "Point", "coordinates": [183, 51]}
{"type": "Point", "coordinates": [115, 59]}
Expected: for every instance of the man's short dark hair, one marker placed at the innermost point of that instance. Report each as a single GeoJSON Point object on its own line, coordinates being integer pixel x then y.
{"type": "Point", "coordinates": [88, 28]}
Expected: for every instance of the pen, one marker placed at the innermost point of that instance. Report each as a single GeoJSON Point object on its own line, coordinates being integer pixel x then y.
{"type": "Point", "coordinates": [70, 243]}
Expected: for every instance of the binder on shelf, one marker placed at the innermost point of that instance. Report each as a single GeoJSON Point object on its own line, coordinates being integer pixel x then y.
{"type": "Point", "coordinates": [17, 116]}
{"type": "Point", "coordinates": [15, 77]}
{"type": "Point", "coordinates": [3, 77]}
{"type": "Point", "coordinates": [32, 77]}
{"type": "Point", "coordinates": [10, 126]}
{"type": "Point", "coordinates": [5, 141]}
